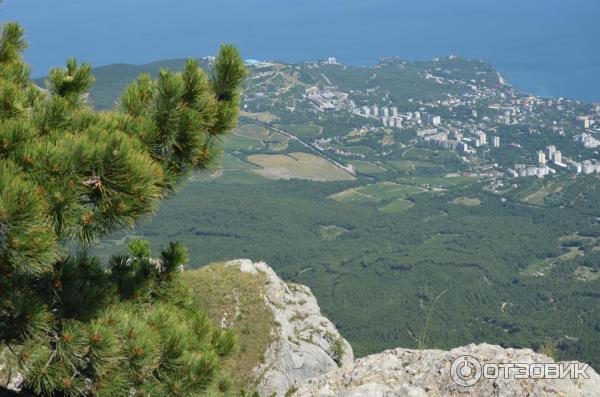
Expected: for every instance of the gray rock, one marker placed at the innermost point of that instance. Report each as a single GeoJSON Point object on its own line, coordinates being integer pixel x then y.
{"type": "Point", "coordinates": [306, 344]}
{"type": "Point", "coordinates": [304, 358]}
{"type": "Point", "coordinates": [405, 372]}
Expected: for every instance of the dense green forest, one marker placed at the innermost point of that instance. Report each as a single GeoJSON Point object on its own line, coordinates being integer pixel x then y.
{"type": "Point", "coordinates": [517, 266]}
{"type": "Point", "coordinates": [377, 274]}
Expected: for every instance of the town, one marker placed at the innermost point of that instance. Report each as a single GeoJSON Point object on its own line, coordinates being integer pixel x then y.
{"type": "Point", "coordinates": [493, 128]}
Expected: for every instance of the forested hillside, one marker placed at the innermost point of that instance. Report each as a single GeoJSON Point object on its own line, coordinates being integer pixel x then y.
{"type": "Point", "coordinates": [516, 265]}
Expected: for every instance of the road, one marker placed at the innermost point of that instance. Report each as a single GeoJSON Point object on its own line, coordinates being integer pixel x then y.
{"type": "Point", "coordinates": [309, 145]}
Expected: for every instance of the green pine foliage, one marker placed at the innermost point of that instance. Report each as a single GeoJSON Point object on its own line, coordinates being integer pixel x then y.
{"type": "Point", "coordinates": [68, 175]}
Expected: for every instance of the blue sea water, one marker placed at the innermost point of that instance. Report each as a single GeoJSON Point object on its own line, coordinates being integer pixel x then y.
{"type": "Point", "coordinates": [546, 47]}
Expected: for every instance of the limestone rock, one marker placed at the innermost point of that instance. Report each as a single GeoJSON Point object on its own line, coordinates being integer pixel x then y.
{"type": "Point", "coordinates": [306, 344]}
{"type": "Point", "coordinates": [420, 373]}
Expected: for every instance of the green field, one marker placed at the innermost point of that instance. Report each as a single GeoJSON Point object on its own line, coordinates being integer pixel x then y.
{"type": "Point", "coordinates": [305, 130]}
{"type": "Point", "coordinates": [410, 165]}
{"type": "Point", "coordinates": [399, 205]}
{"type": "Point", "coordinates": [237, 142]}
{"type": "Point", "coordinates": [230, 162]}
{"type": "Point", "coordinates": [376, 192]}
{"type": "Point", "coordinates": [366, 167]}
{"type": "Point", "coordinates": [253, 131]}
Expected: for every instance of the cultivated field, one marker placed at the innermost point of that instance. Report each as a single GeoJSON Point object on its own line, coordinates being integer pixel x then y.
{"type": "Point", "coordinates": [264, 116]}
{"type": "Point", "coordinates": [400, 205]}
{"type": "Point", "coordinates": [366, 167]}
{"type": "Point", "coordinates": [298, 165]}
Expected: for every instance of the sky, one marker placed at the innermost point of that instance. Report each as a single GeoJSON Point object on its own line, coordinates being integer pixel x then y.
{"type": "Point", "coordinates": [547, 47]}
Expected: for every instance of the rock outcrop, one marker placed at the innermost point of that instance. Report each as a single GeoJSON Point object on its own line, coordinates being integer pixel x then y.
{"type": "Point", "coordinates": [309, 358]}
{"type": "Point", "coordinates": [306, 344]}
{"type": "Point", "coordinates": [421, 373]}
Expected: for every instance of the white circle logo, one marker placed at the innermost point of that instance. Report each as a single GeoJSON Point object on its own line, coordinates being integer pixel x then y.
{"type": "Point", "coordinates": [465, 371]}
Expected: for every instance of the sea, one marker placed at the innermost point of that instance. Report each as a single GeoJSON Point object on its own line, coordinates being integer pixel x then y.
{"type": "Point", "coordinates": [545, 47]}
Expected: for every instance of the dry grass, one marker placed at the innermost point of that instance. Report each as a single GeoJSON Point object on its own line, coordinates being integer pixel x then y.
{"type": "Point", "coordinates": [539, 197]}
{"type": "Point", "coordinates": [298, 165]}
{"type": "Point", "coordinates": [253, 131]}
{"type": "Point", "coordinates": [225, 292]}
{"type": "Point", "coordinates": [7, 361]}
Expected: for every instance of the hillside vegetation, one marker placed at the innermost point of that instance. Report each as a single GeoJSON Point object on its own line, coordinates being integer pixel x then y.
{"type": "Point", "coordinates": [378, 250]}
{"type": "Point", "coordinates": [235, 300]}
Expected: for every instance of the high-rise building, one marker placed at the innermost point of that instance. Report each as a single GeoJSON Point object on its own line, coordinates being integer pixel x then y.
{"type": "Point", "coordinates": [395, 111]}
{"type": "Point", "coordinates": [482, 136]}
{"type": "Point", "coordinates": [375, 111]}
{"type": "Point", "coordinates": [386, 112]}
{"type": "Point", "coordinates": [587, 168]}
{"type": "Point", "coordinates": [430, 119]}
{"type": "Point", "coordinates": [550, 150]}
{"type": "Point", "coordinates": [583, 122]}
{"type": "Point", "coordinates": [367, 111]}
{"type": "Point", "coordinates": [541, 157]}
{"type": "Point", "coordinates": [496, 141]}
{"type": "Point", "coordinates": [558, 157]}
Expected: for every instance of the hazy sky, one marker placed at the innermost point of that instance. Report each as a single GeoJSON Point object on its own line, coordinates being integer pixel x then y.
{"type": "Point", "coordinates": [538, 42]}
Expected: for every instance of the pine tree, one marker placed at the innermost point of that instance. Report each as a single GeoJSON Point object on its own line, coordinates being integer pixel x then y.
{"type": "Point", "coordinates": [68, 174]}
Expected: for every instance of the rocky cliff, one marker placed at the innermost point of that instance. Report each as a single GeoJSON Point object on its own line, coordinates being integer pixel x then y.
{"type": "Point", "coordinates": [305, 343]}
{"type": "Point", "coordinates": [421, 373]}
{"type": "Point", "coordinates": [308, 357]}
